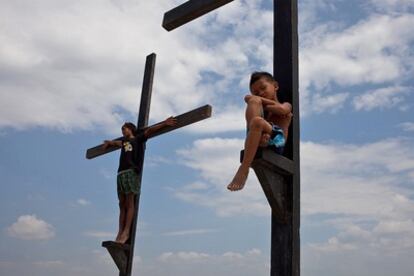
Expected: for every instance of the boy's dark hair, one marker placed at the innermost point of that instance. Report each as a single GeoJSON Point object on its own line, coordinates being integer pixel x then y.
{"type": "Point", "coordinates": [130, 126]}
{"type": "Point", "coordinates": [255, 76]}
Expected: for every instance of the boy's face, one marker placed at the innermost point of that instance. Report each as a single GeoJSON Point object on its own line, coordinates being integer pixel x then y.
{"type": "Point", "coordinates": [126, 132]}
{"type": "Point", "coordinates": [264, 88]}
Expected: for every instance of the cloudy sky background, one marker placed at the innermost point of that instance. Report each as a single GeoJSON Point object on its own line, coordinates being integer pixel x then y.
{"type": "Point", "coordinates": [71, 72]}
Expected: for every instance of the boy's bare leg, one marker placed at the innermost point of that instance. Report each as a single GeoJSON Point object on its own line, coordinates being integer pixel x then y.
{"type": "Point", "coordinates": [130, 209]}
{"type": "Point", "coordinates": [254, 108]}
{"type": "Point", "coordinates": [258, 126]}
{"type": "Point", "coordinates": [122, 212]}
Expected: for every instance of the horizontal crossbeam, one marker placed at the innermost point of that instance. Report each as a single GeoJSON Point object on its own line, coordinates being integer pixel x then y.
{"type": "Point", "coordinates": [184, 119]}
{"type": "Point", "coordinates": [189, 11]}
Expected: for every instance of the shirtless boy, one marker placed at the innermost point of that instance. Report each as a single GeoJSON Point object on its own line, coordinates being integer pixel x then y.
{"type": "Point", "coordinates": [267, 121]}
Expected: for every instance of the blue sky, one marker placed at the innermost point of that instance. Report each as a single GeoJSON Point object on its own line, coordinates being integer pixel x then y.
{"type": "Point", "coordinates": [70, 74]}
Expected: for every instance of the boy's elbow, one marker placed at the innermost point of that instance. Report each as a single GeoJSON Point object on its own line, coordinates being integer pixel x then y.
{"type": "Point", "coordinates": [287, 108]}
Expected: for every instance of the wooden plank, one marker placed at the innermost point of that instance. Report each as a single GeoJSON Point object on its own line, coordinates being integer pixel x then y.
{"type": "Point", "coordinates": [119, 253]}
{"type": "Point", "coordinates": [184, 119]}
{"type": "Point", "coordinates": [274, 186]}
{"type": "Point", "coordinates": [142, 122]}
{"type": "Point", "coordinates": [189, 11]}
{"type": "Point", "coordinates": [99, 150]}
{"type": "Point", "coordinates": [146, 91]}
{"type": "Point", "coordinates": [271, 170]}
{"type": "Point", "coordinates": [285, 252]}
{"type": "Point", "coordinates": [273, 161]}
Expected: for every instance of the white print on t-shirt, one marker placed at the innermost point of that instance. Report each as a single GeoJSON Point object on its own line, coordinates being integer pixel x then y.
{"type": "Point", "coordinates": [127, 146]}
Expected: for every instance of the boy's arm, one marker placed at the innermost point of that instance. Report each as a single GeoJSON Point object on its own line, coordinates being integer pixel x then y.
{"type": "Point", "coordinates": [108, 143]}
{"type": "Point", "coordinates": [171, 121]}
{"type": "Point", "coordinates": [276, 107]}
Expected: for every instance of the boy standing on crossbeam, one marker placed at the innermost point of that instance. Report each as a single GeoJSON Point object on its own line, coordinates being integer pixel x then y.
{"type": "Point", "coordinates": [130, 163]}
{"type": "Point", "coordinates": [267, 121]}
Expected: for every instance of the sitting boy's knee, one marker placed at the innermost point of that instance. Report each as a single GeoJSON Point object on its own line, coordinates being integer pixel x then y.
{"type": "Point", "coordinates": [251, 99]}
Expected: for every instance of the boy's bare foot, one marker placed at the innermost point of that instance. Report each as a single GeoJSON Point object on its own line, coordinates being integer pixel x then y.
{"type": "Point", "coordinates": [118, 237]}
{"type": "Point", "coordinates": [239, 180]}
{"type": "Point", "coordinates": [123, 238]}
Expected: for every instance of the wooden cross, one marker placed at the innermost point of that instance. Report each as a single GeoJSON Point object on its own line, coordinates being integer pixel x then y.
{"type": "Point", "coordinates": [123, 254]}
{"type": "Point", "coordinates": [278, 175]}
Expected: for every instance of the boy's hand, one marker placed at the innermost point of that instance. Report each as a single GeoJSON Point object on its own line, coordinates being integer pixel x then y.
{"type": "Point", "coordinates": [171, 121]}
{"type": "Point", "coordinates": [247, 98]}
{"type": "Point", "coordinates": [106, 144]}
{"type": "Point", "coordinates": [264, 140]}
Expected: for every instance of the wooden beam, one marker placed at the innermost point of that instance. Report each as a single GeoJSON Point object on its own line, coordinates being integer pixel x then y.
{"type": "Point", "coordinates": [119, 253]}
{"type": "Point", "coordinates": [273, 170]}
{"type": "Point", "coordinates": [189, 11]}
{"type": "Point", "coordinates": [142, 122]}
{"type": "Point", "coordinates": [272, 161]}
{"type": "Point", "coordinates": [285, 252]}
{"type": "Point", "coordinates": [146, 92]}
{"type": "Point", "coordinates": [184, 119]}
{"type": "Point", "coordinates": [275, 187]}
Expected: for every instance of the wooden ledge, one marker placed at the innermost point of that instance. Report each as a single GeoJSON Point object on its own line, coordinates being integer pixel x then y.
{"type": "Point", "coordinates": [119, 253]}
{"type": "Point", "coordinates": [117, 245]}
{"type": "Point", "coordinates": [267, 157]}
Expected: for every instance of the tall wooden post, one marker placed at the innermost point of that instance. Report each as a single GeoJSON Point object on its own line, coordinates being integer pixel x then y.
{"type": "Point", "coordinates": [285, 253]}
{"type": "Point", "coordinates": [143, 116]}
{"type": "Point", "coordinates": [278, 175]}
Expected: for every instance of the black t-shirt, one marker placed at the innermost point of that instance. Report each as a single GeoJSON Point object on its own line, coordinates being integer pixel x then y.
{"type": "Point", "coordinates": [132, 153]}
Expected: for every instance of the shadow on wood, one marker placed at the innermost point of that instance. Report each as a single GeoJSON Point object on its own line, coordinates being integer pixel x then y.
{"type": "Point", "coordinates": [272, 169]}
{"type": "Point", "coordinates": [119, 253]}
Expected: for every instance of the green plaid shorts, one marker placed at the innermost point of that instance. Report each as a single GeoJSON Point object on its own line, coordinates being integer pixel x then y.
{"type": "Point", "coordinates": [127, 182]}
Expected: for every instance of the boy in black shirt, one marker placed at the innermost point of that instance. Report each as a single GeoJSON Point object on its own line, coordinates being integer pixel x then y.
{"type": "Point", "coordinates": [130, 162]}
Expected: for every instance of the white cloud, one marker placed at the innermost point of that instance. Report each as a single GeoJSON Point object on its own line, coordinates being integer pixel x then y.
{"type": "Point", "coordinates": [191, 232]}
{"type": "Point", "coordinates": [183, 256]}
{"type": "Point", "coordinates": [366, 192]}
{"type": "Point", "coordinates": [364, 189]}
{"type": "Point", "coordinates": [395, 227]}
{"type": "Point", "coordinates": [383, 98]}
{"type": "Point", "coordinates": [79, 66]}
{"type": "Point", "coordinates": [331, 103]}
{"type": "Point", "coordinates": [332, 55]}
{"type": "Point", "coordinates": [29, 227]}
{"type": "Point", "coordinates": [99, 234]}
{"type": "Point", "coordinates": [251, 262]}
{"type": "Point", "coordinates": [392, 5]}
{"type": "Point", "coordinates": [372, 175]}
{"type": "Point", "coordinates": [332, 245]}
{"type": "Point", "coordinates": [49, 264]}
{"type": "Point", "coordinates": [407, 126]}
{"type": "Point", "coordinates": [83, 202]}
{"type": "Point", "coordinates": [229, 119]}
{"type": "Point", "coordinates": [90, 76]}
{"type": "Point", "coordinates": [368, 180]}
{"type": "Point", "coordinates": [217, 160]}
